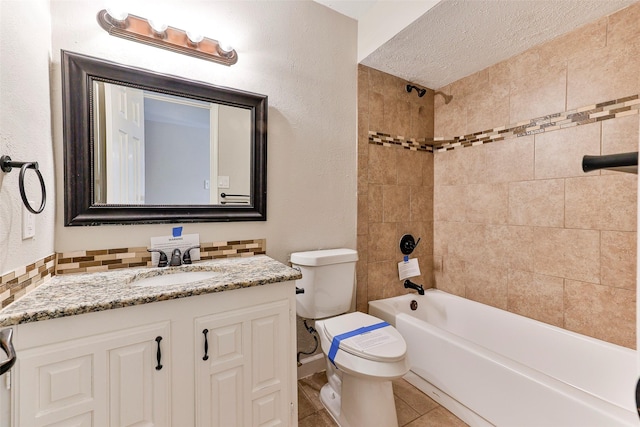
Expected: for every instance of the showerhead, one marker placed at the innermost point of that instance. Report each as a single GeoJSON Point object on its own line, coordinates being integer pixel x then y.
{"type": "Point", "coordinates": [421, 92]}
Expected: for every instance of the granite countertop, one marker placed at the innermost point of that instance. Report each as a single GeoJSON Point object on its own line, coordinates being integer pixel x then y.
{"type": "Point", "coordinates": [72, 294]}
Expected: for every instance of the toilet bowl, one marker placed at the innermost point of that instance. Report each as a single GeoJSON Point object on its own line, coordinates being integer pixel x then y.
{"type": "Point", "coordinates": [363, 353]}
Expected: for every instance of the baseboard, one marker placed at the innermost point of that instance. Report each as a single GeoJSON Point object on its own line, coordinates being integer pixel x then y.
{"type": "Point", "coordinates": [311, 365]}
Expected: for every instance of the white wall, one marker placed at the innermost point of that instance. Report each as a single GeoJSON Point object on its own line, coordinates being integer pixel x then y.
{"type": "Point", "coordinates": [299, 53]}
{"type": "Point", "coordinates": [25, 127]}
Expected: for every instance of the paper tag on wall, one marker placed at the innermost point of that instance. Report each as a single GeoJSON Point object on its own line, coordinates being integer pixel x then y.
{"type": "Point", "coordinates": [407, 269]}
{"type": "Point", "coordinates": [168, 243]}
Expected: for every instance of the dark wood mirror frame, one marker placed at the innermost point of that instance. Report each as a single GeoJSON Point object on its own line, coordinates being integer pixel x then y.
{"type": "Point", "coordinates": [78, 74]}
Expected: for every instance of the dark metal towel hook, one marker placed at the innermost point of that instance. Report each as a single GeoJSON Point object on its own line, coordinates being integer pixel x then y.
{"type": "Point", "coordinates": [7, 165]}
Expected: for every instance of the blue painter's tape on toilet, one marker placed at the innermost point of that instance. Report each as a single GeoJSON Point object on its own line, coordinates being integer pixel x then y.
{"type": "Point", "coordinates": [335, 344]}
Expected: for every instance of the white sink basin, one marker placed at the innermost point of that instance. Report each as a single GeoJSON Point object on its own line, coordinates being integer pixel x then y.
{"type": "Point", "coordinates": [183, 277]}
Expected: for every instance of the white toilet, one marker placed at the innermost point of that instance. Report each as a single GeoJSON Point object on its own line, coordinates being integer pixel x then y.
{"type": "Point", "coordinates": [364, 354]}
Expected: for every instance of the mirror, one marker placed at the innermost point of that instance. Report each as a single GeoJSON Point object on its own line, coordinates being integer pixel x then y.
{"type": "Point", "coordinates": [144, 147]}
{"type": "Point", "coordinates": [140, 136]}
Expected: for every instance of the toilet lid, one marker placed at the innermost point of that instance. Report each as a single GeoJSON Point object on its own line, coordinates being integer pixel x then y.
{"type": "Point", "coordinates": [365, 336]}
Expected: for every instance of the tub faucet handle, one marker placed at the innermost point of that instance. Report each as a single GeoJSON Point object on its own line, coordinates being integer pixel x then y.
{"type": "Point", "coordinates": [408, 244]}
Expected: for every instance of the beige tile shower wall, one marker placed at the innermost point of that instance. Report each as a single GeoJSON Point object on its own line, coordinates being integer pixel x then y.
{"type": "Point", "coordinates": [517, 224]}
{"type": "Point", "coordinates": [395, 185]}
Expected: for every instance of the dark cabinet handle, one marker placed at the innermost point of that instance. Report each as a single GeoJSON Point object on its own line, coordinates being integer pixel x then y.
{"type": "Point", "coordinates": [206, 344]}
{"type": "Point", "coordinates": [158, 354]}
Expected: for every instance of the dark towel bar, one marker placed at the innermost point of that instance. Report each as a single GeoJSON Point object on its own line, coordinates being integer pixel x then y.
{"type": "Point", "coordinates": [223, 195]}
{"type": "Point", "coordinates": [234, 202]}
{"type": "Point", "coordinates": [622, 162]}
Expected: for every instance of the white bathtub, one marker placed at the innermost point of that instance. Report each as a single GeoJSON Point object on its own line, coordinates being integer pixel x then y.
{"type": "Point", "coordinates": [492, 367]}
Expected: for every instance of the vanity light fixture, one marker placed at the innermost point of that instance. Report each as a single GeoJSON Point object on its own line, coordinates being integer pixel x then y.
{"type": "Point", "coordinates": [161, 35]}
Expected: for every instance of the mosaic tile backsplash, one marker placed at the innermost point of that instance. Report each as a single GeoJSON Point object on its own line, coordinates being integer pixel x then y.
{"type": "Point", "coordinates": [17, 283]}
{"type": "Point", "coordinates": [20, 281]}
{"type": "Point", "coordinates": [581, 116]}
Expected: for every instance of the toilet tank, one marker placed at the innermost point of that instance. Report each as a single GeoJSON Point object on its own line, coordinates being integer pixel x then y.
{"type": "Point", "coordinates": [328, 280]}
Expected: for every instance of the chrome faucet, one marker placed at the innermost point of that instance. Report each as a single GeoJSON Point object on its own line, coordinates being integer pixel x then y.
{"type": "Point", "coordinates": [410, 285]}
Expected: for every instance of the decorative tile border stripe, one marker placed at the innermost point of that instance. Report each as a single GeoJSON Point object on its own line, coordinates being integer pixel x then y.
{"type": "Point", "coordinates": [387, 140]}
{"type": "Point", "coordinates": [236, 248]}
{"type": "Point", "coordinates": [92, 261]}
{"type": "Point", "coordinates": [17, 283]}
{"type": "Point", "coordinates": [110, 259]}
{"type": "Point", "coordinates": [580, 116]}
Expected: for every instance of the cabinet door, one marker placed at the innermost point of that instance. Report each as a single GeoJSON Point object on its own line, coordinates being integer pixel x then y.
{"type": "Point", "coordinates": [139, 367]}
{"type": "Point", "coordinates": [103, 380]}
{"type": "Point", "coordinates": [242, 379]}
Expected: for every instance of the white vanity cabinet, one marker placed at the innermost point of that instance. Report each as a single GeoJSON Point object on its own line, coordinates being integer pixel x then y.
{"type": "Point", "coordinates": [241, 371]}
{"type": "Point", "coordinates": [116, 378]}
{"type": "Point", "coordinates": [101, 369]}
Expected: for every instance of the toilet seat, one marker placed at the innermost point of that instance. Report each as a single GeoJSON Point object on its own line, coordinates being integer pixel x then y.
{"type": "Point", "coordinates": [365, 336]}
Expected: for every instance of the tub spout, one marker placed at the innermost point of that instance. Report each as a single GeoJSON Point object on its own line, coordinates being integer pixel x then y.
{"type": "Point", "coordinates": [410, 285]}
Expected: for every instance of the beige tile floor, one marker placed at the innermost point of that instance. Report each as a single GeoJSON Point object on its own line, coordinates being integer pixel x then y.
{"type": "Point", "coordinates": [414, 408]}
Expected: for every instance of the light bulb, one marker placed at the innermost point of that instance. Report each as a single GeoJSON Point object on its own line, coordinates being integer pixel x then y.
{"type": "Point", "coordinates": [194, 37]}
{"type": "Point", "coordinates": [118, 15]}
{"type": "Point", "coordinates": [225, 47]}
{"type": "Point", "coordinates": [158, 26]}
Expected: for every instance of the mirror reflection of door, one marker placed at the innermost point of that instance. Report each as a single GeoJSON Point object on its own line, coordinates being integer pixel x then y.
{"type": "Point", "coordinates": [179, 159]}
{"type": "Point", "coordinates": [125, 145]}
{"type": "Point", "coordinates": [196, 152]}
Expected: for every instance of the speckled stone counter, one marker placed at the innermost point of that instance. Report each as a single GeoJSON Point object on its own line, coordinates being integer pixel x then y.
{"type": "Point", "coordinates": [72, 294]}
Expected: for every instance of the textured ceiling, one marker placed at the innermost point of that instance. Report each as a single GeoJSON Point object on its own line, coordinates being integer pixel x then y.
{"type": "Point", "coordinates": [457, 38]}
